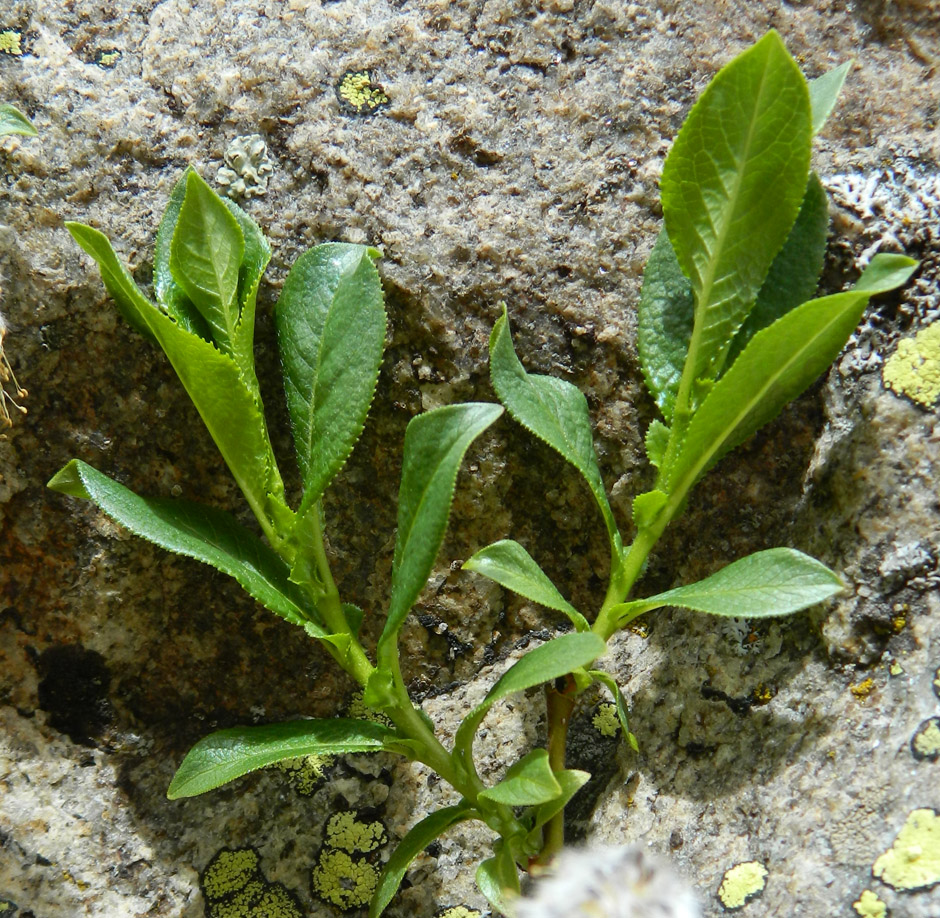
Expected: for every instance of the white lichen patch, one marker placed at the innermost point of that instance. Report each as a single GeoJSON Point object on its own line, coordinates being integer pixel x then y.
{"type": "Point", "coordinates": [913, 861]}
{"type": "Point", "coordinates": [247, 168]}
{"type": "Point", "coordinates": [742, 883]}
{"type": "Point", "coordinates": [868, 905]}
{"type": "Point", "coordinates": [925, 743]}
{"type": "Point", "coordinates": [913, 369]}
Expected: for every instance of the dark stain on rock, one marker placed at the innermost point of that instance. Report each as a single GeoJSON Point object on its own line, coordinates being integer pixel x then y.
{"type": "Point", "coordinates": [73, 690]}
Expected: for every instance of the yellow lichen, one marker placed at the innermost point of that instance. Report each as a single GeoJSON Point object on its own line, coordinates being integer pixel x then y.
{"type": "Point", "coordinates": [358, 93]}
{"type": "Point", "coordinates": [896, 669]}
{"type": "Point", "coordinates": [639, 628]}
{"type": "Point", "coordinates": [339, 880]}
{"type": "Point", "coordinates": [605, 719]}
{"type": "Point", "coordinates": [863, 689]}
{"type": "Point", "coordinates": [108, 59]}
{"type": "Point", "coordinates": [346, 832]}
{"type": "Point", "coordinates": [926, 741]}
{"type": "Point", "coordinates": [913, 861]}
{"type": "Point", "coordinates": [305, 773]}
{"type": "Point", "coordinates": [763, 694]}
{"type": "Point", "coordinates": [741, 883]}
{"type": "Point", "coordinates": [459, 911]}
{"type": "Point", "coordinates": [914, 368]}
{"type": "Point", "coordinates": [11, 42]}
{"type": "Point", "coordinates": [936, 682]}
{"type": "Point", "coordinates": [229, 872]}
{"type": "Point", "coordinates": [869, 905]}
{"type": "Point", "coordinates": [277, 902]}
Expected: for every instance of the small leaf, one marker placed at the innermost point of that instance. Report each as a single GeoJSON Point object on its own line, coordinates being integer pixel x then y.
{"type": "Point", "coordinates": [527, 783]}
{"type": "Point", "coordinates": [549, 661]}
{"type": "Point", "coordinates": [226, 755]}
{"type": "Point", "coordinates": [415, 841]}
{"type": "Point", "coordinates": [435, 444]}
{"type": "Point", "coordinates": [206, 254]}
{"type": "Point", "coordinates": [664, 324]}
{"type": "Point", "coordinates": [619, 703]}
{"type": "Point", "coordinates": [656, 442]}
{"type": "Point", "coordinates": [498, 879]}
{"type": "Point", "coordinates": [646, 507]}
{"type": "Point", "coordinates": [194, 530]}
{"type": "Point", "coordinates": [776, 366]}
{"type": "Point", "coordinates": [778, 581]}
{"type": "Point", "coordinates": [795, 271]}
{"type": "Point", "coordinates": [170, 295]}
{"type": "Point", "coordinates": [556, 412]}
{"type": "Point", "coordinates": [510, 565]}
{"type": "Point", "coordinates": [571, 781]}
{"type": "Point", "coordinates": [13, 121]}
{"type": "Point", "coordinates": [212, 380]}
{"type": "Point", "coordinates": [731, 188]}
{"type": "Point", "coordinates": [824, 92]}
{"type": "Point", "coordinates": [331, 334]}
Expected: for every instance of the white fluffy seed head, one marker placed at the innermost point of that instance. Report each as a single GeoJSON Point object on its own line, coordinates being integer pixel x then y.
{"type": "Point", "coordinates": [609, 883]}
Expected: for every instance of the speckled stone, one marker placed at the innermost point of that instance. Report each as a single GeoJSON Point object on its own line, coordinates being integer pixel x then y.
{"type": "Point", "coordinates": [517, 159]}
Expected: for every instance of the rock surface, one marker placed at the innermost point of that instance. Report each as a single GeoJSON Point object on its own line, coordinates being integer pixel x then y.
{"type": "Point", "coordinates": [516, 159]}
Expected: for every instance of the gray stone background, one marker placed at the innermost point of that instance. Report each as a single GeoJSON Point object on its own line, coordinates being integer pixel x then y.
{"type": "Point", "coordinates": [517, 159]}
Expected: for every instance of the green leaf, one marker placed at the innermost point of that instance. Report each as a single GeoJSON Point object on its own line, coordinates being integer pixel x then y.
{"type": "Point", "coordinates": [498, 879]}
{"type": "Point", "coordinates": [212, 380]}
{"type": "Point", "coordinates": [194, 530]}
{"type": "Point", "coordinates": [656, 443]}
{"type": "Point", "coordinates": [206, 254]}
{"type": "Point", "coordinates": [170, 295]}
{"type": "Point", "coordinates": [254, 261]}
{"type": "Point", "coordinates": [776, 366]}
{"type": "Point", "coordinates": [331, 333]}
{"type": "Point", "coordinates": [731, 188]}
{"type": "Point", "coordinates": [664, 323]}
{"type": "Point", "coordinates": [415, 841]}
{"type": "Point", "coordinates": [226, 755]}
{"type": "Point", "coordinates": [510, 565]}
{"type": "Point", "coordinates": [571, 781]}
{"type": "Point", "coordinates": [13, 121]}
{"type": "Point", "coordinates": [778, 581]}
{"type": "Point", "coordinates": [646, 507]}
{"type": "Point", "coordinates": [527, 783]}
{"type": "Point", "coordinates": [824, 91]}
{"type": "Point", "coordinates": [549, 661]}
{"type": "Point", "coordinates": [435, 444]}
{"type": "Point", "coordinates": [556, 412]}
{"type": "Point", "coordinates": [795, 272]}
{"type": "Point", "coordinates": [619, 703]}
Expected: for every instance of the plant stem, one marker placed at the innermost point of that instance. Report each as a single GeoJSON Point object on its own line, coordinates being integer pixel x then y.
{"type": "Point", "coordinates": [559, 703]}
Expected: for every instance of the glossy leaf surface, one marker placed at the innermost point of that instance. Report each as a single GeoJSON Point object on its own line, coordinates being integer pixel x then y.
{"type": "Point", "coordinates": [331, 333]}
{"type": "Point", "coordinates": [435, 444]}
{"type": "Point", "coordinates": [528, 782]}
{"type": "Point", "coordinates": [226, 755]}
{"type": "Point", "coordinates": [511, 566]}
{"type": "Point", "coordinates": [731, 189]}
{"type": "Point", "coordinates": [824, 93]}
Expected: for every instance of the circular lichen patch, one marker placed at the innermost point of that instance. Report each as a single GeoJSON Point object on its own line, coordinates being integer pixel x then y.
{"type": "Point", "coordinates": [741, 884]}
{"type": "Point", "coordinates": [925, 743]}
{"type": "Point", "coordinates": [914, 368]}
{"type": "Point", "coordinates": [913, 861]}
{"type": "Point", "coordinates": [605, 719]}
{"type": "Point", "coordinates": [339, 880]}
{"type": "Point", "coordinates": [355, 836]}
{"type": "Point", "coordinates": [870, 906]}
{"type": "Point", "coordinates": [358, 94]}
{"type": "Point", "coordinates": [229, 872]}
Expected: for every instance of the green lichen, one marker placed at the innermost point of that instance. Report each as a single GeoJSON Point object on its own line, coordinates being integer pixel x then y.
{"type": "Point", "coordinates": [605, 719]}
{"type": "Point", "coordinates": [358, 95]}
{"type": "Point", "coordinates": [870, 906]}
{"type": "Point", "coordinates": [339, 880]}
{"type": "Point", "coordinates": [742, 883]}
{"type": "Point", "coordinates": [913, 861]}
{"type": "Point", "coordinates": [277, 902]}
{"type": "Point", "coordinates": [458, 911]}
{"type": "Point", "coordinates": [355, 836]}
{"type": "Point", "coordinates": [306, 773]}
{"type": "Point", "coordinates": [936, 682]}
{"type": "Point", "coordinates": [11, 42]}
{"type": "Point", "coordinates": [242, 904]}
{"type": "Point", "coordinates": [925, 744]}
{"type": "Point", "coordinates": [229, 872]}
{"type": "Point", "coordinates": [7, 908]}
{"type": "Point", "coordinates": [108, 59]}
{"type": "Point", "coordinates": [896, 669]}
{"type": "Point", "coordinates": [914, 368]}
